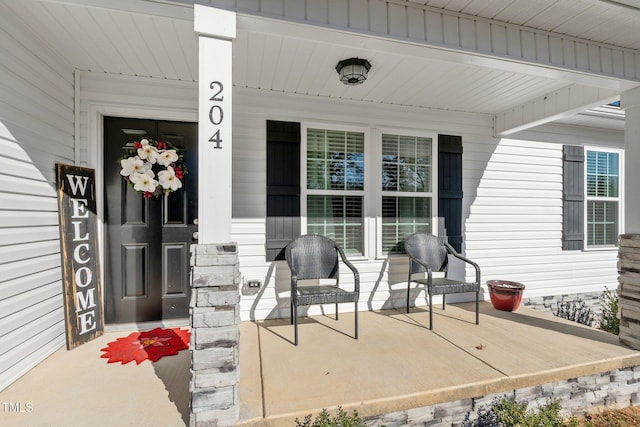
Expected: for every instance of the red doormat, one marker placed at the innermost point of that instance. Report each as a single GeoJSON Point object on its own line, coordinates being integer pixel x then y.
{"type": "Point", "coordinates": [151, 345]}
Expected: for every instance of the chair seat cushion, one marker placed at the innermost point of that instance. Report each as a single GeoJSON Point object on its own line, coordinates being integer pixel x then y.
{"type": "Point", "coordinates": [308, 295]}
{"type": "Point", "coordinates": [441, 286]}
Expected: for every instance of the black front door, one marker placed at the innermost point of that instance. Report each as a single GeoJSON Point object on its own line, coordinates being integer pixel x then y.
{"type": "Point", "coordinates": [147, 239]}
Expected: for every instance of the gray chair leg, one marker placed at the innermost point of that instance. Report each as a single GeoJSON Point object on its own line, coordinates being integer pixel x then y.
{"type": "Point", "coordinates": [444, 297]}
{"type": "Point", "coordinates": [477, 308]}
{"type": "Point", "coordinates": [291, 307]}
{"type": "Point", "coordinates": [295, 327]}
{"type": "Point", "coordinates": [356, 319]}
{"type": "Point", "coordinates": [430, 312]}
{"type": "Point", "coordinates": [408, 292]}
{"type": "Point", "coordinates": [336, 311]}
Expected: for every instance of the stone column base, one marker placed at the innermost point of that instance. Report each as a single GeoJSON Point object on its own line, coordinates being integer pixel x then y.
{"type": "Point", "coordinates": [215, 335]}
{"type": "Point", "coordinates": [629, 290]}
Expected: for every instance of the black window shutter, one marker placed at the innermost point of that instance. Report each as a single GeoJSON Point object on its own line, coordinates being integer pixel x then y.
{"type": "Point", "coordinates": [450, 187]}
{"type": "Point", "coordinates": [572, 197]}
{"type": "Point", "coordinates": [283, 187]}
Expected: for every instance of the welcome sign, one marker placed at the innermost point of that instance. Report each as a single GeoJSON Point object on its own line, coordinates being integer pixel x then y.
{"type": "Point", "coordinates": [79, 253]}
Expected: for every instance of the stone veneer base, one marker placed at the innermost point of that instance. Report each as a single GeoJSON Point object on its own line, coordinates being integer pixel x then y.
{"type": "Point", "coordinates": [619, 388]}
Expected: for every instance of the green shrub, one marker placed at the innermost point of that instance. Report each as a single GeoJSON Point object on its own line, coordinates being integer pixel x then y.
{"type": "Point", "coordinates": [509, 413]}
{"type": "Point", "coordinates": [610, 321]}
{"type": "Point", "coordinates": [341, 419]}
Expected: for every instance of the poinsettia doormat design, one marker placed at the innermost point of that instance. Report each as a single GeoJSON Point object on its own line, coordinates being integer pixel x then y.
{"type": "Point", "coordinates": [152, 345]}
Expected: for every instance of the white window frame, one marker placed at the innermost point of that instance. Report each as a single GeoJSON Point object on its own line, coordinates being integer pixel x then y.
{"type": "Point", "coordinates": [305, 192]}
{"type": "Point", "coordinates": [372, 194]}
{"type": "Point", "coordinates": [619, 199]}
{"type": "Point", "coordinates": [379, 193]}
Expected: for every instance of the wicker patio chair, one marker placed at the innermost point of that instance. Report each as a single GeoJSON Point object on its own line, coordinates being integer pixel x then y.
{"type": "Point", "coordinates": [428, 253]}
{"type": "Point", "coordinates": [316, 257]}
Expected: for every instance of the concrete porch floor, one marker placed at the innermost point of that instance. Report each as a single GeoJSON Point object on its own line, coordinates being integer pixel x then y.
{"type": "Point", "coordinates": [396, 363]}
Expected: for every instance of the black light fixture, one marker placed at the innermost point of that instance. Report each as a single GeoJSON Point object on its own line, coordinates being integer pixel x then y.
{"type": "Point", "coordinates": [353, 71]}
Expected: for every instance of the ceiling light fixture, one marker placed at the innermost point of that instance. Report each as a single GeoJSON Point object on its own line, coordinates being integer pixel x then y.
{"type": "Point", "coordinates": [353, 71]}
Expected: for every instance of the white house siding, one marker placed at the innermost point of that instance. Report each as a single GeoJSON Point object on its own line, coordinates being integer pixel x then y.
{"type": "Point", "coordinates": [513, 219]}
{"type": "Point", "coordinates": [36, 132]}
{"type": "Point", "coordinates": [383, 281]}
{"type": "Point", "coordinates": [512, 203]}
{"type": "Point", "coordinates": [126, 96]}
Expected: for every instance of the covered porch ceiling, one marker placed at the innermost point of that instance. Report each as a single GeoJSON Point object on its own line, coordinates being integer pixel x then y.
{"type": "Point", "coordinates": [156, 39]}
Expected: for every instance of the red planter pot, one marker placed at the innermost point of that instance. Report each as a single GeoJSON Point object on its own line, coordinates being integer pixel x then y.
{"type": "Point", "coordinates": [505, 295]}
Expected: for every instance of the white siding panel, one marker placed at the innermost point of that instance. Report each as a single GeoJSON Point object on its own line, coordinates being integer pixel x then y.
{"type": "Point", "coordinates": [22, 285]}
{"type": "Point", "coordinates": [29, 250]}
{"type": "Point", "coordinates": [36, 131]}
{"type": "Point", "coordinates": [139, 97]}
{"type": "Point", "coordinates": [512, 206]}
{"type": "Point", "coordinates": [11, 236]}
{"type": "Point", "coordinates": [383, 282]}
{"type": "Point", "coordinates": [26, 202]}
{"type": "Point", "coordinates": [514, 220]}
{"type": "Point", "coordinates": [27, 267]}
{"type": "Point", "coordinates": [35, 350]}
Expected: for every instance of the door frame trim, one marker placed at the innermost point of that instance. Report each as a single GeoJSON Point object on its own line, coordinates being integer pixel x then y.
{"type": "Point", "coordinates": [95, 148]}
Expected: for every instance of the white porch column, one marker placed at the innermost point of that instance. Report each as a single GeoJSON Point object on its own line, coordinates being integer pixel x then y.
{"type": "Point", "coordinates": [629, 249]}
{"type": "Point", "coordinates": [630, 101]}
{"type": "Point", "coordinates": [216, 30]}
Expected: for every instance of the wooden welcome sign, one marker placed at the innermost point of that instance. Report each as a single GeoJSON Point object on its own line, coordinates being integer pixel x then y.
{"type": "Point", "coordinates": [79, 252]}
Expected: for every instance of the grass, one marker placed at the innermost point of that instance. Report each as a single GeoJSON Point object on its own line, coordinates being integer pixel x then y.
{"type": "Point", "coordinates": [627, 417]}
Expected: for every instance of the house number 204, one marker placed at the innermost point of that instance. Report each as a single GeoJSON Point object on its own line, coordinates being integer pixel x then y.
{"type": "Point", "coordinates": [216, 112]}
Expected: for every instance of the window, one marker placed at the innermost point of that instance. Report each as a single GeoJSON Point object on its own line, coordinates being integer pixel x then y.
{"type": "Point", "coordinates": [335, 184]}
{"type": "Point", "coordinates": [602, 198]}
{"type": "Point", "coordinates": [407, 171]}
{"type": "Point", "coordinates": [353, 187]}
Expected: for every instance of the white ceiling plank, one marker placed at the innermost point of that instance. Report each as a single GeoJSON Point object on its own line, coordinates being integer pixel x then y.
{"type": "Point", "coordinates": [486, 9]}
{"type": "Point", "coordinates": [269, 65]}
{"type": "Point", "coordinates": [255, 53]}
{"type": "Point", "coordinates": [168, 36]}
{"type": "Point", "coordinates": [394, 71]}
{"type": "Point", "coordinates": [441, 4]}
{"type": "Point", "coordinates": [550, 18]}
{"type": "Point", "coordinates": [85, 42]}
{"type": "Point", "coordinates": [145, 61]}
{"type": "Point", "coordinates": [240, 58]}
{"type": "Point", "coordinates": [93, 39]}
{"type": "Point", "coordinates": [504, 64]}
{"type": "Point", "coordinates": [281, 76]}
{"type": "Point", "coordinates": [562, 103]}
{"type": "Point", "coordinates": [319, 68]}
{"type": "Point", "coordinates": [458, 5]}
{"type": "Point", "coordinates": [105, 21]}
{"type": "Point", "coordinates": [522, 12]}
{"type": "Point", "coordinates": [149, 29]}
{"type": "Point", "coordinates": [188, 41]}
{"type": "Point", "coordinates": [154, 8]}
{"type": "Point", "coordinates": [58, 39]}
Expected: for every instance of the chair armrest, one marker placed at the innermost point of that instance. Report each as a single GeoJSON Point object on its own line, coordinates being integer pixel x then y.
{"type": "Point", "coordinates": [294, 283]}
{"type": "Point", "coordinates": [455, 253]}
{"type": "Point", "coordinates": [427, 267]}
{"type": "Point", "coordinates": [356, 274]}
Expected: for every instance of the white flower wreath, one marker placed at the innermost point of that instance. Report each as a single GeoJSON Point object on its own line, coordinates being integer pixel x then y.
{"type": "Point", "coordinates": [149, 158]}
